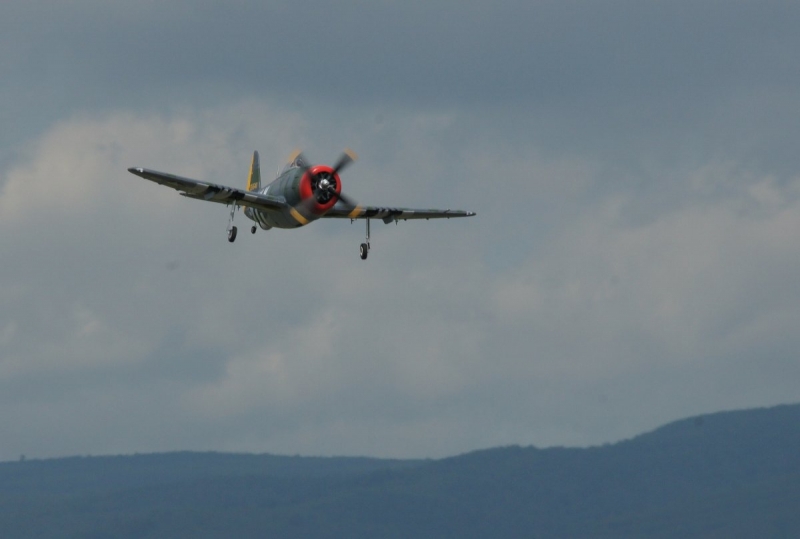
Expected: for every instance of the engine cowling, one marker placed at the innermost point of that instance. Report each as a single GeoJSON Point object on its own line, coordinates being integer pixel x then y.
{"type": "Point", "coordinates": [320, 187]}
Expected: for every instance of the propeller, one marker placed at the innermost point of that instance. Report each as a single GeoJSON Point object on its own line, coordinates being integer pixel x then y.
{"type": "Point", "coordinates": [348, 156]}
{"type": "Point", "coordinates": [323, 183]}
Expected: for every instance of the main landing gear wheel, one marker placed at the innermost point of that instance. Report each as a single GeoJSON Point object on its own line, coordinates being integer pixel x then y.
{"type": "Point", "coordinates": [364, 248]}
{"type": "Point", "coordinates": [253, 229]}
{"type": "Point", "coordinates": [231, 228]}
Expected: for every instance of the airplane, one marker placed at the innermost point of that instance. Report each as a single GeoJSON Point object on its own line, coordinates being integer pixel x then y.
{"type": "Point", "coordinates": [301, 194]}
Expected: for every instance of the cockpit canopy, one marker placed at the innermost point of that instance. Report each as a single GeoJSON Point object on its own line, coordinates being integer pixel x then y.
{"type": "Point", "coordinates": [298, 162]}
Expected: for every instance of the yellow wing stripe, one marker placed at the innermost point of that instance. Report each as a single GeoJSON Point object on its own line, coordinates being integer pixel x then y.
{"type": "Point", "coordinates": [299, 218]}
{"type": "Point", "coordinates": [355, 213]}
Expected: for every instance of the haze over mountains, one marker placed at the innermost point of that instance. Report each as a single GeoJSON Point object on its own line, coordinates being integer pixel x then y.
{"type": "Point", "coordinates": [731, 474]}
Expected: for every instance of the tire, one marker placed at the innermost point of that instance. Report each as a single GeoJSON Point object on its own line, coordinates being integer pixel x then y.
{"type": "Point", "coordinates": [232, 234]}
{"type": "Point", "coordinates": [253, 229]}
{"type": "Point", "coordinates": [363, 251]}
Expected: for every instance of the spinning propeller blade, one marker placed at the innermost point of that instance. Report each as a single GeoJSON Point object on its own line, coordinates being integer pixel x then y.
{"type": "Point", "coordinates": [347, 157]}
{"type": "Point", "coordinates": [346, 199]}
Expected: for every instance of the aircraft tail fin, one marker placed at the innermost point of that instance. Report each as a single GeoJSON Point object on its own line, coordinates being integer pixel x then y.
{"type": "Point", "coordinates": [254, 180]}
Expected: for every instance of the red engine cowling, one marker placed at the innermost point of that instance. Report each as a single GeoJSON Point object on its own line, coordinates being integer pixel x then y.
{"type": "Point", "coordinates": [322, 185]}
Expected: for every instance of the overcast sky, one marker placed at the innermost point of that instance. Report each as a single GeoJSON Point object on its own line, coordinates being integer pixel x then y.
{"type": "Point", "coordinates": [634, 167]}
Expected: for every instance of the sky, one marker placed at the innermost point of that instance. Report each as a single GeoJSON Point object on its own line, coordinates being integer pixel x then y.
{"type": "Point", "coordinates": [633, 166]}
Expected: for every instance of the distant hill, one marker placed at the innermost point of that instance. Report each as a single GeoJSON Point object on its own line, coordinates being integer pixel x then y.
{"type": "Point", "coordinates": [724, 475]}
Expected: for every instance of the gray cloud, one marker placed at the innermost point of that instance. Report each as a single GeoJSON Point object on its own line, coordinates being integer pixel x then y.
{"type": "Point", "coordinates": [632, 167]}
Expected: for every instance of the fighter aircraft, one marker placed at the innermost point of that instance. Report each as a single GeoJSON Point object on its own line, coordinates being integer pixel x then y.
{"type": "Point", "coordinates": [301, 193]}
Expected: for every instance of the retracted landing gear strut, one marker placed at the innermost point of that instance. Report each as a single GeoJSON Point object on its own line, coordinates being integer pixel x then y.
{"type": "Point", "coordinates": [364, 248]}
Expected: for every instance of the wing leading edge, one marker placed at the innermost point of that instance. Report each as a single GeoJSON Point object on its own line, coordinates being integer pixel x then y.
{"type": "Point", "coordinates": [211, 191]}
{"type": "Point", "coordinates": [392, 214]}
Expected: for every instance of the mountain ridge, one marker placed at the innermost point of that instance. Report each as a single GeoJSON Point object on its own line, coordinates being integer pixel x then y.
{"type": "Point", "coordinates": [727, 474]}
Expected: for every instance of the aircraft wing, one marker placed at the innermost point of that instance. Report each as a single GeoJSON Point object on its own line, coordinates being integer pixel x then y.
{"type": "Point", "coordinates": [211, 191]}
{"type": "Point", "coordinates": [392, 214]}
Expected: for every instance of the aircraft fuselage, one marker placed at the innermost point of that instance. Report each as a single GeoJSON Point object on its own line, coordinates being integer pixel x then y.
{"type": "Point", "coordinates": [302, 207]}
{"type": "Point", "coordinates": [286, 185]}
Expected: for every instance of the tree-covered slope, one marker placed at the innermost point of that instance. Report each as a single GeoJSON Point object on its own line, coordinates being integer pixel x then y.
{"type": "Point", "coordinates": [734, 474]}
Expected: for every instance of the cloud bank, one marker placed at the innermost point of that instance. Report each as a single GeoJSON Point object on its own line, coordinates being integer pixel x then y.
{"type": "Point", "coordinates": [632, 260]}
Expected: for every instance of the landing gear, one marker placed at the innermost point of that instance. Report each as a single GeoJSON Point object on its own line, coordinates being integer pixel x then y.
{"type": "Point", "coordinates": [231, 228]}
{"type": "Point", "coordinates": [253, 229]}
{"type": "Point", "coordinates": [364, 247]}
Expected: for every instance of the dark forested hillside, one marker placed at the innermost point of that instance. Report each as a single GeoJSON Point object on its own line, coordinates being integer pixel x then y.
{"type": "Point", "coordinates": [733, 474]}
